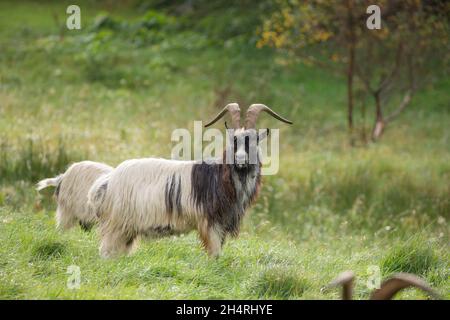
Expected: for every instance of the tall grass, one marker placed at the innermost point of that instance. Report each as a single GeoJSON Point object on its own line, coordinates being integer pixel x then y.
{"type": "Point", "coordinates": [33, 159]}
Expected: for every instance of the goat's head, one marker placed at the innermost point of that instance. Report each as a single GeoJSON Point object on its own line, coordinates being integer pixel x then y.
{"type": "Point", "coordinates": [243, 142]}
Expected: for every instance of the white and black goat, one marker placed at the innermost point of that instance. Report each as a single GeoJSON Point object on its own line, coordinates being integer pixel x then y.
{"type": "Point", "coordinates": [71, 193]}
{"type": "Point", "coordinates": [157, 197]}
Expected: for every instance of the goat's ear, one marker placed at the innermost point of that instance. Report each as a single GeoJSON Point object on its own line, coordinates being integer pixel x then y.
{"type": "Point", "coordinates": [263, 133]}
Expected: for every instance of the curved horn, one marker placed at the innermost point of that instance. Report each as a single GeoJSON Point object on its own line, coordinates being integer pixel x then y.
{"type": "Point", "coordinates": [346, 280]}
{"type": "Point", "coordinates": [254, 111]}
{"type": "Point", "coordinates": [235, 112]}
{"type": "Point", "coordinates": [398, 282]}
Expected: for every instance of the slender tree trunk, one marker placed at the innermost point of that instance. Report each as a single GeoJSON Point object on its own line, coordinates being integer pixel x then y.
{"type": "Point", "coordinates": [350, 72]}
{"type": "Point", "coordinates": [363, 119]}
{"type": "Point", "coordinates": [350, 67]}
{"type": "Point", "coordinates": [378, 128]}
{"type": "Point", "coordinates": [61, 27]}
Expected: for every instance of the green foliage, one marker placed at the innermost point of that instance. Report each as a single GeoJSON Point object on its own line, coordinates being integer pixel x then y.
{"type": "Point", "coordinates": [386, 65]}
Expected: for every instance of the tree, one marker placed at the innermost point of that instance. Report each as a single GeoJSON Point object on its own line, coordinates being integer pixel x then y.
{"type": "Point", "coordinates": [385, 63]}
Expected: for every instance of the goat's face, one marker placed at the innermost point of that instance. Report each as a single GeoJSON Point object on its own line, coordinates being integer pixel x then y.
{"type": "Point", "coordinates": [243, 142]}
{"type": "Point", "coordinates": [243, 146]}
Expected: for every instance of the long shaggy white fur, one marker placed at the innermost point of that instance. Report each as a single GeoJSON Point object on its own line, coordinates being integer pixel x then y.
{"type": "Point", "coordinates": [71, 193]}
{"type": "Point", "coordinates": [96, 194]}
{"type": "Point", "coordinates": [134, 202]}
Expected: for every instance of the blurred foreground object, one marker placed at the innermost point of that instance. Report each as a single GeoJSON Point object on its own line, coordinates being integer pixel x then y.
{"type": "Point", "coordinates": [388, 289]}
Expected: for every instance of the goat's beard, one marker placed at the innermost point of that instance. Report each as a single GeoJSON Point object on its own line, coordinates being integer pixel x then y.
{"type": "Point", "coordinates": [241, 166]}
{"type": "Point", "coordinates": [246, 167]}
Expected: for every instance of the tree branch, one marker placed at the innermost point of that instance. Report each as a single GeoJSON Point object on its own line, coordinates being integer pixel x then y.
{"type": "Point", "coordinates": [395, 68]}
{"type": "Point", "coordinates": [405, 102]}
{"type": "Point", "coordinates": [409, 93]}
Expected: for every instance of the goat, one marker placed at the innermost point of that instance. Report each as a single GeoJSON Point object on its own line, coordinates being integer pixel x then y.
{"type": "Point", "coordinates": [388, 288]}
{"type": "Point", "coordinates": [157, 197]}
{"type": "Point", "coordinates": [71, 193]}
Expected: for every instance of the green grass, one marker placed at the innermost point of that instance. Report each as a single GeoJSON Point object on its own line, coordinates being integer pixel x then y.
{"type": "Point", "coordinates": [415, 258]}
{"type": "Point", "coordinates": [110, 95]}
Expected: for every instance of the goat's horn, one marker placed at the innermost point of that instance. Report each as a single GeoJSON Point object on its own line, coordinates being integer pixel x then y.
{"type": "Point", "coordinates": [398, 282]}
{"type": "Point", "coordinates": [234, 110]}
{"type": "Point", "coordinates": [254, 111]}
{"type": "Point", "coordinates": [346, 280]}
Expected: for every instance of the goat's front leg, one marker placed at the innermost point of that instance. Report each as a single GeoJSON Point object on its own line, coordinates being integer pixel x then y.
{"type": "Point", "coordinates": [212, 238]}
{"type": "Point", "coordinates": [64, 220]}
{"type": "Point", "coordinates": [115, 243]}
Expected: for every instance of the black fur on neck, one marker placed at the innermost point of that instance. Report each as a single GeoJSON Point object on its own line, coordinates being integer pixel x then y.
{"type": "Point", "coordinates": [223, 192]}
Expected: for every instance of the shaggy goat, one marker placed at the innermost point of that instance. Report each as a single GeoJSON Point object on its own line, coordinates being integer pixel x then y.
{"type": "Point", "coordinates": [71, 193]}
{"type": "Point", "coordinates": [157, 197]}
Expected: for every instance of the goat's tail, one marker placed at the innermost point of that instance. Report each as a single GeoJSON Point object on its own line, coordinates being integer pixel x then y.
{"type": "Point", "coordinates": [50, 182]}
{"type": "Point", "coordinates": [96, 194]}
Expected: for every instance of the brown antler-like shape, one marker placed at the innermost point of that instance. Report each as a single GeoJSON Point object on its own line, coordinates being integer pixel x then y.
{"type": "Point", "coordinates": [253, 112]}
{"type": "Point", "coordinates": [346, 280]}
{"type": "Point", "coordinates": [400, 281]}
{"type": "Point", "coordinates": [235, 112]}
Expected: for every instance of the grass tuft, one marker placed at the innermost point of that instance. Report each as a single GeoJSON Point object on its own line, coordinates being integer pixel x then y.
{"type": "Point", "coordinates": [413, 258]}
{"type": "Point", "coordinates": [280, 283]}
{"type": "Point", "coordinates": [10, 291]}
{"type": "Point", "coordinates": [48, 249]}
{"type": "Point", "coordinates": [147, 275]}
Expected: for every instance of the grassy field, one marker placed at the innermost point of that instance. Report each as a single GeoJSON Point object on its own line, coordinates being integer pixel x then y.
{"type": "Point", "coordinates": [111, 92]}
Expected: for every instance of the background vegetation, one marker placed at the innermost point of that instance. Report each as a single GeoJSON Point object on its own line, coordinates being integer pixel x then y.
{"type": "Point", "coordinates": [139, 69]}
